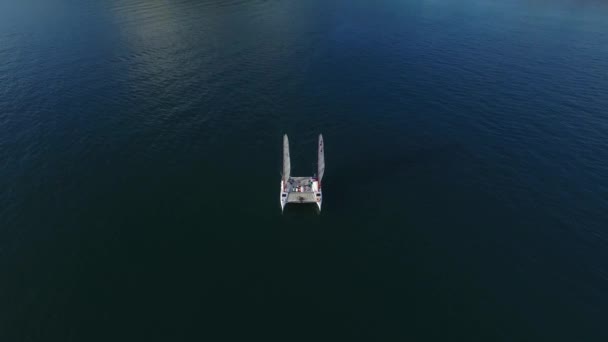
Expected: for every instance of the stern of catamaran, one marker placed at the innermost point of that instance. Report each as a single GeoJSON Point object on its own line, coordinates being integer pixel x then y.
{"type": "Point", "coordinates": [301, 190]}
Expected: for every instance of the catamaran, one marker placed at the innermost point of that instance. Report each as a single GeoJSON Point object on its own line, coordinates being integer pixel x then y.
{"type": "Point", "coordinates": [302, 189]}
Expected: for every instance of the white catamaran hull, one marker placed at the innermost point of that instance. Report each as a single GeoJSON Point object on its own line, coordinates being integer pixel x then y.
{"type": "Point", "coordinates": [283, 196]}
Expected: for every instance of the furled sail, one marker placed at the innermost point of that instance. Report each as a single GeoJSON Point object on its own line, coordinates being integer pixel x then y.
{"type": "Point", "coordinates": [286, 160]}
{"type": "Point", "coordinates": [321, 160]}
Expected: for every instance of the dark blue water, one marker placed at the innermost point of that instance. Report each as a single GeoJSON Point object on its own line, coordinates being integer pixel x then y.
{"type": "Point", "coordinates": [465, 196]}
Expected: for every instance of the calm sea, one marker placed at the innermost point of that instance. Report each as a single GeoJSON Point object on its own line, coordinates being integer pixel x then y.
{"type": "Point", "coordinates": [465, 194]}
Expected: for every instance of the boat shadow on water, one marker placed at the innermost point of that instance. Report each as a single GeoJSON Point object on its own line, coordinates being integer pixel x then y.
{"type": "Point", "coordinates": [301, 210]}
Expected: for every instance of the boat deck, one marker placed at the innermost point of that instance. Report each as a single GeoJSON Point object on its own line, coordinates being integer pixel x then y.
{"type": "Point", "coordinates": [301, 184]}
{"type": "Point", "coordinates": [302, 190]}
{"type": "Point", "coordinates": [301, 197]}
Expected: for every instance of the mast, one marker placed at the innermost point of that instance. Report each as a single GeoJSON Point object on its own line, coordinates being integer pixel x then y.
{"type": "Point", "coordinates": [286, 160]}
{"type": "Point", "coordinates": [321, 159]}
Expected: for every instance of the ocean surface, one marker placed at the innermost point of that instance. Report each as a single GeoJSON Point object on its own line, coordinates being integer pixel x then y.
{"type": "Point", "coordinates": [465, 194]}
